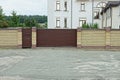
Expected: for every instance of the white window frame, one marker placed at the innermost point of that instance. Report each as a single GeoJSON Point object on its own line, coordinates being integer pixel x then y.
{"type": "Point", "coordinates": [58, 22]}
{"type": "Point", "coordinates": [82, 6]}
{"type": "Point", "coordinates": [57, 5]}
{"type": "Point", "coordinates": [82, 21]}
{"type": "Point", "coordinates": [96, 13]}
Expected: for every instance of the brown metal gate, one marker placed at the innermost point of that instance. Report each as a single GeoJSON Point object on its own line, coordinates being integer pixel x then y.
{"type": "Point", "coordinates": [56, 37]}
{"type": "Point", "coordinates": [26, 38]}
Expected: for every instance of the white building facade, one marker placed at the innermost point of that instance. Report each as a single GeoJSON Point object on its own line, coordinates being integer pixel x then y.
{"type": "Point", "coordinates": [71, 14]}
{"type": "Point", "coordinates": [111, 15]}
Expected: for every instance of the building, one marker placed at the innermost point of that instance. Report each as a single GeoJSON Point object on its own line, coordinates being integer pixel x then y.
{"type": "Point", "coordinates": [111, 15]}
{"type": "Point", "coordinates": [71, 14]}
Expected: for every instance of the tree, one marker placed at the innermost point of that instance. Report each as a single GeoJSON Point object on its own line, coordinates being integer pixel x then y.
{"type": "Point", "coordinates": [3, 22]}
{"type": "Point", "coordinates": [30, 22]}
{"type": "Point", "coordinates": [1, 14]}
{"type": "Point", "coordinates": [14, 22]}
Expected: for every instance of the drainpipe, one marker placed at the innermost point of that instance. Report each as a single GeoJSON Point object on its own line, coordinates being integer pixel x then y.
{"type": "Point", "coordinates": [111, 17]}
{"type": "Point", "coordinates": [92, 11]}
{"type": "Point", "coordinates": [71, 12]}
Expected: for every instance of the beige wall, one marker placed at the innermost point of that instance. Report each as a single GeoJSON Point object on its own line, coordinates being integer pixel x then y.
{"type": "Point", "coordinates": [10, 38]}
{"type": "Point", "coordinates": [91, 38]}
{"type": "Point", "coordinates": [115, 38]}
{"type": "Point", "coordinates": [34, 38]}
{"type": "Point", "coordinates": [98, 38]}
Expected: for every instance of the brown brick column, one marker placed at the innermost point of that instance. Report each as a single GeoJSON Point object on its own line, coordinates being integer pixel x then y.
{"type": "Point", "coordinates": [34, 37]}
{"type": "Point", "coordinates": [19, 37]}
{"type": "Point", "coordinates": [108, 31]}
{"type": "Point", "coordinates": [79, 38]}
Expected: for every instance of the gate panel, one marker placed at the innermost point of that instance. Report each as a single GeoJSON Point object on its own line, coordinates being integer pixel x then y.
{"type": "Point", "coordinates": [26, 38]}
{"type": "Point", "coordinates": [56, 37]}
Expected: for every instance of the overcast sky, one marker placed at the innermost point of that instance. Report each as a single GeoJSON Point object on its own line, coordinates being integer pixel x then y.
{"type": "Point", "coordinates": [24, 7]}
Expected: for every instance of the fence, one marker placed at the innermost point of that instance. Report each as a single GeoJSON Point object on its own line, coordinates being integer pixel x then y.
{"type": "Point", "coordinates": [86, 38]}
{"type": "Point", "coordinates": [101, 38]}
{"type": "Point", "coordinates": [10, 37]}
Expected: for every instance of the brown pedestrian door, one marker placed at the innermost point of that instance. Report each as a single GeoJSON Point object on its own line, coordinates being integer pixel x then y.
{"type": "Point", "coordinates": [26, 38]}
{"type": "Point", "coordinates": [56, 37]}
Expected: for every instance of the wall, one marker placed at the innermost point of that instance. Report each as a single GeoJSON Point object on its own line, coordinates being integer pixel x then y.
{"type": "Point", "coordinates": [115, 38]}
{"type": "Point", "coordinates": [115, 17]}
{"type": "Point", "coordinates": [10, 38]}
{"type": "Point", "coordinates": [53, 14]}
{"type": "Point", "coordinates": [76, 13]}
{"type": "Point", "coordinates": [114, 20]}
{"type": "Point", "coordinates": [102, 38]}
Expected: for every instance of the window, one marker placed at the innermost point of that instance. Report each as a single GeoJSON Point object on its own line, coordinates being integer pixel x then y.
{"type": "Point", "coordinates": [57, 5]}
{"type": "Point", "coordinates": [83, 6]}
{"type": "Point", "coordinates": [81, 22]}
{"type": "Point", "coordinates": [65, 23]}
{"type": "Point", "coordinates": [101, 5]}
{"type": "Point", "coordinates": [65, 5]}
{"type": "Point", "coordinates": [96, 15]}
{"type": "Point", "coordinates": [58, 22]}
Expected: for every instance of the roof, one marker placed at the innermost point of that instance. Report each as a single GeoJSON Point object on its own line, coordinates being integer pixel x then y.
{"type": "Point", "coordinates": [109, 5]}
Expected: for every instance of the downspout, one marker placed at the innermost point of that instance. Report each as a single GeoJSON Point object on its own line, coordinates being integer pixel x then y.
{"type": "Point", "coordinates": [102, 16]}
{"type": "Point", "coordinates": [111, 17]}
{"type": "Point", "coordinates": [92, 12]}
{"type": "Point", "coordinates": [101, 20]}
{"type": "Point", "coordinates": [71, 13]}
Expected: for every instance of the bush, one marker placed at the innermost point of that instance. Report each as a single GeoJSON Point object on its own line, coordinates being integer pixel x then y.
{"type": "Point", "coordinates": [42, 26]}
{"type": "Point", "coordinates": [95, 26]}
{"type": "Point", "coordinates": [3, 24]}
{"type": "Point", "coordinates": [90, 26]}
{"type": "Point", "coordinates": [85, 26]}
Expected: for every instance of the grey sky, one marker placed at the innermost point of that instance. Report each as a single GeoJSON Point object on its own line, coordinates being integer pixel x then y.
{"type": "Point", "coordinates": [25, 7]}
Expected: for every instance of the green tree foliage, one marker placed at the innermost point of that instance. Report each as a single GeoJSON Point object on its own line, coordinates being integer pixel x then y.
{"type": "Point", "coordinates": [1, 14]}
{"type": "Point", "coordinates": [37, 18]}
{"type": "Point", "coordinates": [3, 22]}
{"type": "Point", "coordinates": [14, 20]}
{"type": "Point", "coordinates": [30, 23]}
{"type": "Point", "coordinates": [22, 20]}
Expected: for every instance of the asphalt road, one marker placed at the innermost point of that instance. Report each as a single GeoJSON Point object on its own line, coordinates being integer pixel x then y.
{"type": "Point", "coordinates": [59, 64]}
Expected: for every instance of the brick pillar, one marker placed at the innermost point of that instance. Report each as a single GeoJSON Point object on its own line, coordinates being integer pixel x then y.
{"type": "Point", "coordinates": [19, 37]}
{"type": "Point", "coordinates": [79, 38]}
{"type": "Point", "coordinates": [108, 30]}
{"type": "Point", "coordinates": [34, 37]}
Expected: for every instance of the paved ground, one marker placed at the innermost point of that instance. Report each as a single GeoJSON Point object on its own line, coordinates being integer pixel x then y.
{"type": "Point", "coordinates": [59, 64]}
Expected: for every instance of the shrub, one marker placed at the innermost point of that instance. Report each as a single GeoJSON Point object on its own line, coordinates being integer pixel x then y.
{"type": "Point", "coordinates": [95, 26]}
{"type": "Point", "coordinates": [85, 26]}
{"type": "Point", "coordinates": [90, 26]}
{"type": "Point", "coordinates": [3, 24]}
